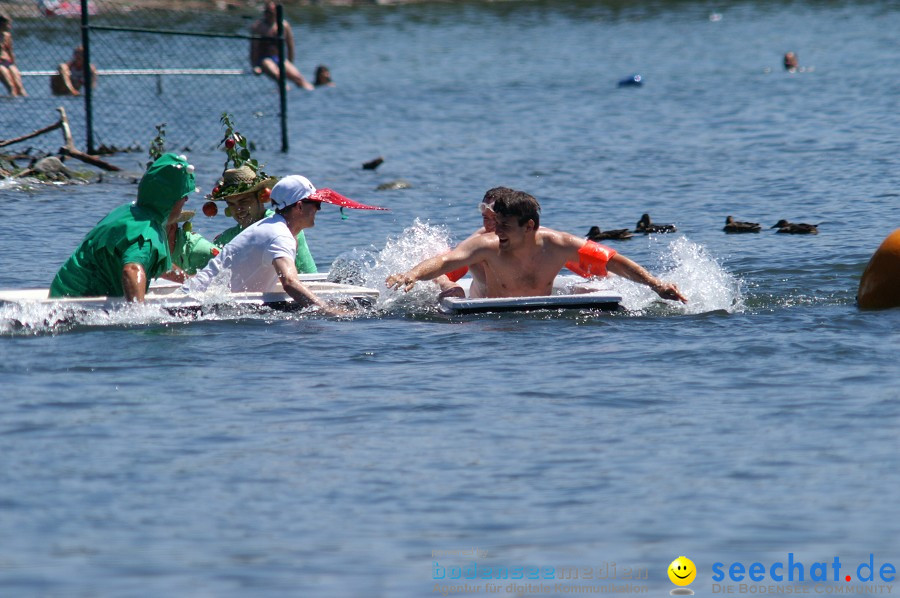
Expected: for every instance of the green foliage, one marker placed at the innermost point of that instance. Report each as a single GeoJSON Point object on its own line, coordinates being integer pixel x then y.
{"type": "Point", "coordinates": [158, 145]}
{"type": "Point", "coordinates": [239, 153]}
{"type": "Point", "coordinates": [236, 156]}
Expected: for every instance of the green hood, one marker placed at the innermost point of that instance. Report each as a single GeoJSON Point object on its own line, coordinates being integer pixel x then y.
{"type": "Point", "coordinates": [166, 181]}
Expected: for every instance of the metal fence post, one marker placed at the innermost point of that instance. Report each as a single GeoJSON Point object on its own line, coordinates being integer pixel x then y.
{"type": "Point", "coordinates": [282, 77]}
{"type": "Point", "coordinates": [88, 76]}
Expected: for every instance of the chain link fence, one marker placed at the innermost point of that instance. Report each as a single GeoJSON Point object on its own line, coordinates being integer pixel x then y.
{"type": "Point", "coordinates": [181, 63]}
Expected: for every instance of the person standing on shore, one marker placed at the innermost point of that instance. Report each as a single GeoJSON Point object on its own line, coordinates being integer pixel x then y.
{"type": "Point", "coordinates": [9, 72]}
{"type": "Point", "coordinates": [264, 52]}
{"type": "Point", "coordinates": [69, 78]}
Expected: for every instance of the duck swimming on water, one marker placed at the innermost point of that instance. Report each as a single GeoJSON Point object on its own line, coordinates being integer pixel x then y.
{"type": "Point", "coordinates": [735, 226]}
{"type": "Point", "coordinates": [645, 226]}
{"type": "Point", "coordinates": [791, 228]}
{"type": "Point", "coordinates": [595, 234]}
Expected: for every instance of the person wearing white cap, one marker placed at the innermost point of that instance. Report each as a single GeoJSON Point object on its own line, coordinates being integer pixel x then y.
{"type": "Point", "coordinates": [263, 254]}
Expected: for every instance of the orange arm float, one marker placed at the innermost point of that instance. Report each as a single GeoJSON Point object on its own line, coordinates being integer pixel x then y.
{"type": "Point", "coordinates": [457, 274]}
{"type": "Point", "coordinates": [592, 259]}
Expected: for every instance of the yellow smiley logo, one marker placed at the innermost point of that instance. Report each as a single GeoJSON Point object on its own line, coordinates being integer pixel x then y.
{"type": "Point", "coordinates": [682, 571]}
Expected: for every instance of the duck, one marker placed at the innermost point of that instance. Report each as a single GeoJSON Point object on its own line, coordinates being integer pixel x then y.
{"type": "Point", "coordinates": [799, 228]}
{"type": "Point", "coordinates": [734, 226]}
{"type": "Point", "coordinates": [595, 234]}
{"type": "Point", "coordinates": [645, 226]}
{"type": "Point", "coordinates": [373, 164]}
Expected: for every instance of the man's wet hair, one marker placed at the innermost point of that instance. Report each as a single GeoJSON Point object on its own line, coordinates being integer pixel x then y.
{"type": "Point", "coordinates": [519, 204]}
{"type": "Point", "coordinates": [492, 194]}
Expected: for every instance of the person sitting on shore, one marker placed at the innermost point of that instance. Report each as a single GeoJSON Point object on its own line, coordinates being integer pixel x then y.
{"type": "Point", "coordinates": [263, 254]}
{"type": "Point", "coordinates": [264, 49]}
{"type": "Point", "coordinates": [69, 78]}
{"type": "Point", "coordinates": [9, 72]}
{"type": "Point", "coordinates": [129, 247]}
{"type": "Point", "coordinates": [522, 260]}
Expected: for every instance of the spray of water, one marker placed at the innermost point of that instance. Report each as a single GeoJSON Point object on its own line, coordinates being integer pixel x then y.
{"type": "Point", "coordinates": [370, 268]}
{"type": "Point", "coordinates": [706, 284]}
{"type": "Point", "coordinates": [31, 318]}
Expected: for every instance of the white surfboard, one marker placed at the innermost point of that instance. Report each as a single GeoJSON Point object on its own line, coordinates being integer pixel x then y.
{"type": "Point", "coordinates": [569, 292]}
{"type": "Point", "coordinates": [167, 295]}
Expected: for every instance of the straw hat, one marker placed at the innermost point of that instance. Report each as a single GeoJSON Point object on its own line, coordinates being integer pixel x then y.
{"type": "Point", "coordinates": [240, 182]}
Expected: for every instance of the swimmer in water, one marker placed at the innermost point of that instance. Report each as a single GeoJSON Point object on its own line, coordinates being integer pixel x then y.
{"type": "Point", "coordinates": [520, 259]}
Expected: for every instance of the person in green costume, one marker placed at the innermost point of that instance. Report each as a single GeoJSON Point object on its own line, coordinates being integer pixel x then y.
{"type": "Point", "coordinates": [246, 192]}
{"type": "Point", "coordinates": [129, 247]}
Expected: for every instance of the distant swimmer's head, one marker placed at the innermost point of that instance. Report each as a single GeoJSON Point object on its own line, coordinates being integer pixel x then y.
{"type": "Point", "coordinates": [516, 214]}
{"type": "Point", "coordinates": [323, 76]}
{"type": "Point", "coordinates": [790, 61]}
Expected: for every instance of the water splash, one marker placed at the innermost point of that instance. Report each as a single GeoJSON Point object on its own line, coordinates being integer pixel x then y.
{"type": "Point", "coordinates": [33, 319]}
{"type": "Point", "coordinates": [706, 284]}
{"type": "Point", "coordinates": [370, 267]}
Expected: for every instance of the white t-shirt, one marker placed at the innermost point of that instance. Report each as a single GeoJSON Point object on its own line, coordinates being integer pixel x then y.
{"type": "Point", "coordinates": [249, 256]}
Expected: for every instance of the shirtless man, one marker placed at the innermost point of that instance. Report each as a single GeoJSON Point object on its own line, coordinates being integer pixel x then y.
{"type": "Point", "coordinates": [69, 78]}
{"type": "Point", "coordinates": [447, 282]}
{"type": "Point", "coordinates": [264, 52]}
{"type": "Point", "coordinates": [522, 260]}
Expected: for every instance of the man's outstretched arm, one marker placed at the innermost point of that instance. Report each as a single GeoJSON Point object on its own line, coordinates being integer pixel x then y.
{"type": "Point", "coordinates": [290, 281]}
{"type": "Point", "coordinates": [466, 253]}
{"type": "Point", "coordinates": [626, 268]}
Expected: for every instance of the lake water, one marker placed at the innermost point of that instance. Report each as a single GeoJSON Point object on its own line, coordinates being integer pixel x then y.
{"type": "Point", "coordinates": [293, 455]}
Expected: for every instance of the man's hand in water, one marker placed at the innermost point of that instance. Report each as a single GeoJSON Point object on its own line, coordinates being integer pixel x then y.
{"type": "Point", "coordinates": [396, 281]}
{"type": "Point", "coordinates": [669, 290]}
{"type": "Point", "coordinates": [337, 312]}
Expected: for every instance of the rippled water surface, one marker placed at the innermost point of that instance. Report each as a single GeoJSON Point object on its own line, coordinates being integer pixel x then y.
{"type": "Point", "coordinates": [292, 455]}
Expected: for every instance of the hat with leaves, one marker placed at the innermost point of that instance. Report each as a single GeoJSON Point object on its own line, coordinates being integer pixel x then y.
{"type": "Point", "coordinates": [244, 177]}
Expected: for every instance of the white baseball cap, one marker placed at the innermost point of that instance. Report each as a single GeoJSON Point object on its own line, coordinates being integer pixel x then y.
{"type": "Point", "coordinates": [290, 190]}
{"type": "Point", "coordinates": [294, 188]}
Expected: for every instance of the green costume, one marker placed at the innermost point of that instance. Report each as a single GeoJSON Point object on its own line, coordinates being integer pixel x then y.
{"type": "Point", "coordinates": [130, 234]}
{"type": "Point", "coordinates": [193, 252]}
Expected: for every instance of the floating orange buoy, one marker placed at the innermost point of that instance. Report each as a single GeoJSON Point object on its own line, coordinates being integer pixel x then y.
{"type": "Point", "coordinates": [879, 286]}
